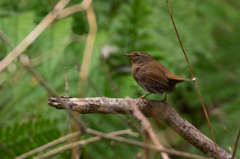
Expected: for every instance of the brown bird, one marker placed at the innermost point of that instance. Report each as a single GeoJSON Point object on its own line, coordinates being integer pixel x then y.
{"type": "Point", "coordinates": [151, 75]}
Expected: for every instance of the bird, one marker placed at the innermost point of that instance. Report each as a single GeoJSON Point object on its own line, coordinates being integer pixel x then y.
{"type": "Point", "coordinates": [151, 75]}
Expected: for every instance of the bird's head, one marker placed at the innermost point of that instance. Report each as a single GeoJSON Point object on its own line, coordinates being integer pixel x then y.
{"type": "Point", "coordinates": [139, 57]}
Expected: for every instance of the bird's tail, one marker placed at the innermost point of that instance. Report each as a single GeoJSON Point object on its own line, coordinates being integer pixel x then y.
{"type": "Point", "coordinates": [179, 79]}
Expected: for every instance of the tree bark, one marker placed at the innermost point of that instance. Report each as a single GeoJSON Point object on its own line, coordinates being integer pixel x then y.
{"type": "Point", "coordinates": [150, 108]}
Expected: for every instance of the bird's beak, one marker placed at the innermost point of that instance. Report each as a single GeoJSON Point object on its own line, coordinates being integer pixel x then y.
{"type": "Point", "coordinates": [126, 55]}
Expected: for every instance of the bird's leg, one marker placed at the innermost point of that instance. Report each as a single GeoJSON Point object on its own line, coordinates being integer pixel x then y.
{"type": "Point", "coordinates": [144, 96]}
{"type": "Point", "coordinates": [165, 98]}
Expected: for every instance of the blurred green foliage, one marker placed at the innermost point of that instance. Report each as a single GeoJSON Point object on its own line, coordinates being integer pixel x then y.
{"type": "Point", "coordinates": [209, 31]}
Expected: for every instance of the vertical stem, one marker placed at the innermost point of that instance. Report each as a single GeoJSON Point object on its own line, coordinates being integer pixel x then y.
{"type": "Point", "coordinates": [236, 143]}
{"type": "Point", "coordinates": [88, 50]}
{"type": "Point", "coordinates": [194, 79]}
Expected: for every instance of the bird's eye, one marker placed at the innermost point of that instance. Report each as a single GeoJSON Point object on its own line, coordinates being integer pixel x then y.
{"type": "Point", "coordinates": [136, 54]}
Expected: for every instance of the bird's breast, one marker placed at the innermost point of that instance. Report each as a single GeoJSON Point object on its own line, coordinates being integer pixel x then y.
{"type": "Point", "coordinates": [135, 70]}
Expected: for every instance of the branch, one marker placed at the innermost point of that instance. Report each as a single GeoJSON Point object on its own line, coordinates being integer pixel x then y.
{"type": "Point", "coordinates": [150, 108]}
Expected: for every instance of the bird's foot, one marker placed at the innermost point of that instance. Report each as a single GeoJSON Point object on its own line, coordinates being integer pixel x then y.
{"type": "Point", "coordinates": [144, 96]}
{"type": "Point", "coordinates": [165, 98]}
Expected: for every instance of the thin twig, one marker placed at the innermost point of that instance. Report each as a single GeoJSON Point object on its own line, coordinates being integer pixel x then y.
{"type": "Point", "coordinates": [66, 94]}
{"type": "Point", "coordinates": [66, 82]}
{"type": "Point", "coordinates": [7, 151]}
{"type": "Point", "coordinates": [107, 73]}
{"type": "Point", "coordinates": [147, 140]}
{"type": "Point", "coordinates": [5, 39]}
{"type": "Point", "coordinates": [33, 35]}
{"type": "Point", "coordinates": [74, 149]}
{"type": "Point", "coordinates": [88, 79]}
{"type": "Point", "coordinates": [82, 143]}
{"type": "Point", "coordinates": [195, 81]}
{"type": "Point", "coordinates": [25, 61]}
{"type": "Point", "coordinates": [236, 143]}
{"type": "Point", "coordinates": [74, 9]}
{"type": "Point", "coordinates": [147, 127]}
{"type": "Point", "coordinates": [112, 143]}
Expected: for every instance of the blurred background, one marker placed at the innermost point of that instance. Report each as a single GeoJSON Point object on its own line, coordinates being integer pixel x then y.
{"type": "Point", "coordinates": [210, 34]}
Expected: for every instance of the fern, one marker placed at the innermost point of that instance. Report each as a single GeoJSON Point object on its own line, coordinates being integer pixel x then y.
{"type": "Point", "coordinates": [210, 34]}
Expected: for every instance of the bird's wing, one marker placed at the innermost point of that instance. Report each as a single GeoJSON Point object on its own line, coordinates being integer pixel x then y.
{"type": "Point", "coordinates": [173, 78]}
{"type": "Point", "coordinates": [153, 81]}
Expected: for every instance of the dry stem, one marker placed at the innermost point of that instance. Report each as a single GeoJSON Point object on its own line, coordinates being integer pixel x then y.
{"type": "Point", "coordinates": [88, 49]}
{"type": "Point", "coordinates": [33, 35]}
{"type": "Point", "coordinates": [194, 80]}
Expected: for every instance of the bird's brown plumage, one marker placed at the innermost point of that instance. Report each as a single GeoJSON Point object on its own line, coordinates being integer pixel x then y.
{"type": "Point", "coordinates": [151, 75]}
